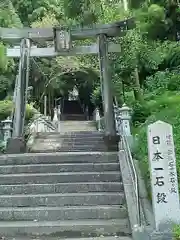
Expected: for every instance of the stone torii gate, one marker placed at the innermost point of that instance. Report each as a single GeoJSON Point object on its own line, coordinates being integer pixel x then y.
{"type": "Point", "coordinates": [63, 40]}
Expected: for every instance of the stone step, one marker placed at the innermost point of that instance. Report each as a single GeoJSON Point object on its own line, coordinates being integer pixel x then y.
{"type": "Point", "coordinates": [70, 117]}
{"type": "Point", "coordinates": [75, 128]}
{"type": "Point", "coordinates": [89, 126]}
{"type": "Point", "coordinates": [89, 123]}
{"type": "Point", "coordinates": [52, 148]}
{"type": "Point", "coordinates": [80, 187]}
{"type": "Point", "coordinates": [66, 157]}
{"type": "Point", "coordinates": [74, 133]}
{"type": "Point", "coordinates": [22, 178]}
{"type": "Point", "coordinates": [75, 122]}
{"type": "Point", "coordinates": [78, 127]}
{"type": "Point", "coordinates": [66, 141]}
{"type": "Point", "coordinates": [58, 144]}
{"type": "Point", "coordinates": [62, 213]}
{"type": "Point", "coordinates": [79, 238]}
{"type": "Point", "coordinates": [68, 135]}
{"type": "Point", "coordinates": [58, 199]}
{"type": "Point", "coordinates": [85, 147]}
{"type": "Point", "coordinates": [69, 228]}
{"type": "Point", "coordinates": [74, 140]}
{"type": "Point", "coordinates": [57, 168]}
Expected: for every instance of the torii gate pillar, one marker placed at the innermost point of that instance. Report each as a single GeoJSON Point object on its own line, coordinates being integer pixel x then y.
{"type": "Point", "coordinates": [106, 82]}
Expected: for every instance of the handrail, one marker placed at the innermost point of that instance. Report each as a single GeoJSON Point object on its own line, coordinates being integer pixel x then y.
{"type": "Point", "coordinates": [131, 164]}
{"type": "Point", "coordinates": [42, 118]}
{"type": "Point", "coordinates": [135, 181]}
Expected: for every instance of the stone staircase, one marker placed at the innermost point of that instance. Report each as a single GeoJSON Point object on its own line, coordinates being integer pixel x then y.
{"type": "Point", "coordinates": [74, 126]}
{"type": "Point", "coordinates": [59, 195]}
{"type": "Point", "coordinates": [72, 110]}
{"type": "Point", "coordinates": [75, 136]}
{"type": "Point", "coordinates": [69, 142]}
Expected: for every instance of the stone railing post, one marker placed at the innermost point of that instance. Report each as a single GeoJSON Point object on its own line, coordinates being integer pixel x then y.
{"type": "Point", "coordinates": [59, 112]}
{"type": "Point", "coordinates": [56, 119]}
{"type": "Point", "coordinates": [98, 119]}
{"type": "Point", "coordinates": [7, 129]}
{"type": "Point", "coordinates": [59, 118]}
{"type": "Point", "coordinates": [117, 119]}
{"type": "Point", "coordinates": [125, 115]}
{"type": "Point", "coordinates": [45, 106]}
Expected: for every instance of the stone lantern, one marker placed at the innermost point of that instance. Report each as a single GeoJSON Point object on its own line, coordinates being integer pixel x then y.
{"type": "Point", "coordinates": [125, 114]}
{"type": "Point", "coordinates": [7, 129]}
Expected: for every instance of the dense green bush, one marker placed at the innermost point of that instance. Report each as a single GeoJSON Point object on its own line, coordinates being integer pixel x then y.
{"type": "Point", "coordinates": [176, 232]}
{"type": "Point", "coordinates": [174, 82]}
{"type": "Point", "coordinates": [168, 99]}
{"type": "Point", "coordinates": [30, 112]}
{"type": "Point", "coordinates": [140, 113]}
{"type": "Point", "coordinates": [129, 98]}
{"type": "Point", "coordinates": [6, 109]}
{"type": "Point", "coordinates": [96, 96]}
{"type": "Point", "coordinates": [158, 82]}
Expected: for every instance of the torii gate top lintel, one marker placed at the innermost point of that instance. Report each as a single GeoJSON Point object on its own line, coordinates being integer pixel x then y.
{"type": "Point", "coordinates": [47, 34]}
{"type": "Point", "coordinates": [63, 37]}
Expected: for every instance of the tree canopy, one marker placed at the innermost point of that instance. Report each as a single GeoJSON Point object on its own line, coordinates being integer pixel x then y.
{"type": "Point", "coordinates": [150, 48]}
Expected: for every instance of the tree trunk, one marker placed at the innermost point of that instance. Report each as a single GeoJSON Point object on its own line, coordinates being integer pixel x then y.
{"type": "Point", "coordinates": [137, 88]}
{"type": "Point", "coordinates": [125, 4]}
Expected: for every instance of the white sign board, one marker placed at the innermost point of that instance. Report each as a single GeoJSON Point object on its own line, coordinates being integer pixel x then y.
{"type": "Point", "coordinates": [164, 181]}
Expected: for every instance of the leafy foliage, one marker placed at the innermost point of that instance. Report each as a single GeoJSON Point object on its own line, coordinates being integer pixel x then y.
{"type": "Point", "coordinates": [138, 68]}
{"type": "Point", "coordinates": [6, 108]}
{"type": "Point", "coordinates": [140, 113]}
